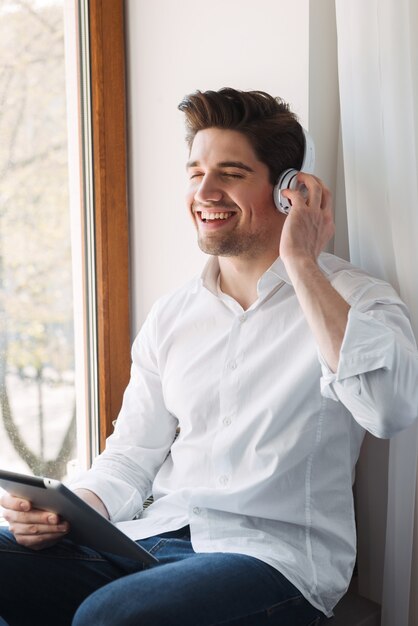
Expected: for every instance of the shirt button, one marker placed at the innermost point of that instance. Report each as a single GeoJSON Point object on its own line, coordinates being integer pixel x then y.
{"type": "Point", "coordinates": [227, 421]}
{"type": "Point", "coordinates": [223, 480]}
{"type": "Point", "coordinates": [196, 510]}
{"type": "Point", "coordinates": [233, 365]}
{"type": "Point", "coordinates": [242, 318]}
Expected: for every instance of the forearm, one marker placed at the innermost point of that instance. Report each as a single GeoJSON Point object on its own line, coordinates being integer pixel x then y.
{"type": "Point", "coordinates": [305, 234]}
{"type": "Point", "coordinates": [93, 500]}
{"type": "Point", "coordinates": [325, 310]}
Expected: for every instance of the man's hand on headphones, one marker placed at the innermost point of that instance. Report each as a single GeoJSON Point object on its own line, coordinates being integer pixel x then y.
{"type": "Point", "coordinates": [310, 223]}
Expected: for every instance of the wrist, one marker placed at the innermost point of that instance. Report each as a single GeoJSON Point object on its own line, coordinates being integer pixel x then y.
{"type": "Point", "coordinates": [298, 264]}
{"type": "Point", "coordinates": [93, 500]}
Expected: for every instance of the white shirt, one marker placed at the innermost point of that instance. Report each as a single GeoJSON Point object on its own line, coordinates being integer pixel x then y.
{"type": "Point", "coordinates": [269, 436]}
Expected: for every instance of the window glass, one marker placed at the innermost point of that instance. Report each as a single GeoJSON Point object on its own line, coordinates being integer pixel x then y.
{"type": "Point", "coordinates": [38, 417]}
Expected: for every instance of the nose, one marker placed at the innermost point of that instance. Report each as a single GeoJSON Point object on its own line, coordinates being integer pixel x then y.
{"type": "Point", "coordinates": [208, 190]}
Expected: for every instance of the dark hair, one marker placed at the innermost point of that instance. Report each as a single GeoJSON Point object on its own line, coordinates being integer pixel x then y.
{"type": "Point", "coordinates": [268, 123]}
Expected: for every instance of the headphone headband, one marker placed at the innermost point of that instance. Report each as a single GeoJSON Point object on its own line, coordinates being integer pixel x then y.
{"type": "Point", "coordinates": [308, 162]}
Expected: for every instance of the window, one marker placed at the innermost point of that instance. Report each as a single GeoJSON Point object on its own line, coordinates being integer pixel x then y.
{"type": "Point", "coordinates": [63, 234]}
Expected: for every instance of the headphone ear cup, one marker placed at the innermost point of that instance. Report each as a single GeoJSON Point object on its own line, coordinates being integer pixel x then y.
{"type": "Point", "coordinates": [287, 180]}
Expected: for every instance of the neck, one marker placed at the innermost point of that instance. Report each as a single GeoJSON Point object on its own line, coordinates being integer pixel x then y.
{"type": "Point", "coordinates": [239, 277]}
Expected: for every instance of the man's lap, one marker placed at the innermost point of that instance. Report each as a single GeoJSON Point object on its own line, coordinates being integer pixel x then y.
{"type": "Point", "coordinates": [36, 585]}
{"type": "Point", "coordinates": [185, 588]}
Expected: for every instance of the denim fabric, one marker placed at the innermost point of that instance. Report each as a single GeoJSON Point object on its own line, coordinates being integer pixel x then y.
{"type": "Point", "coordinates": [71, 584]}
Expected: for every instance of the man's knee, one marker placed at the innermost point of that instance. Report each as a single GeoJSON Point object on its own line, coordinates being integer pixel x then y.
{"type": "Point", "coordinates": [107, 607]}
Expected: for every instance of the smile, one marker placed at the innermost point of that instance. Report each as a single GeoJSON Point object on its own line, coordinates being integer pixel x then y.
{"type": "Point", "coordinates": [206, 216]}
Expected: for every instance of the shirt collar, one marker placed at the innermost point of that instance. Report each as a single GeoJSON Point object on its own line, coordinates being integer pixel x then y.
{"type": "Point", "coordinates": [268, 281]}
{"type": "Point", "coordinates": [271, 278]}
{"type": "Point", "coordinates": [210, 275]}
{"type": "Point", "coordinates": [275, 274]}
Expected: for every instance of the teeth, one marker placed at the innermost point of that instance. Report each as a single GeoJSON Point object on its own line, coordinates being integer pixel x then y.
{"type": "Point", "coordinates": [216, 216]}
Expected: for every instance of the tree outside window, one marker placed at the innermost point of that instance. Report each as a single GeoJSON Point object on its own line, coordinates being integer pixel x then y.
{"type": "Point", "coordinates": [37, 394]}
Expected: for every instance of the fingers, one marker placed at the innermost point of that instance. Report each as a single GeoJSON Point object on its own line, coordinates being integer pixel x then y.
{"type": "Point", "coordinates": [310, 224]}
{"type": "Point", "coordinates": [31, 527]}
{"type": "Point", "coordinates": [311, 192]}
{"type": "Point", "coordinates": [313, 189]}
{"type": "Point", "coordinates": [34, 521]}
{"type": "Point", "coordinates": [13, 503]}
{"type": "Point", "coordinates": [38, 535]}
{"type": "Point", "coordinates": [39, 542]}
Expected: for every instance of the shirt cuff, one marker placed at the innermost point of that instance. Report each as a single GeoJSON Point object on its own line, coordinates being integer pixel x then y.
{"type": "Point", "coordinates": [122, 501]}
{"type": "Point", "coordinates": [368, 345]}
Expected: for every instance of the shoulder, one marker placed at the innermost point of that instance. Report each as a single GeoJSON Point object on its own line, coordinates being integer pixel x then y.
{"type": "Point", "coordinates": [172, 304]}
{"type": "Point", "coordinates": [176, 298]}
{"type": "Point", "coordinates": [164, 312]}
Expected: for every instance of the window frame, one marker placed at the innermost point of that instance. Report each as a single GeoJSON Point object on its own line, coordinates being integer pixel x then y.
{"type": "Point", "coordinates": [108, 96]}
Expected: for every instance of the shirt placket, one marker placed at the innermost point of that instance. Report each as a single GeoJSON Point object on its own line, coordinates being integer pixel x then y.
{"type": "Point", "coordinates": [229, 395]}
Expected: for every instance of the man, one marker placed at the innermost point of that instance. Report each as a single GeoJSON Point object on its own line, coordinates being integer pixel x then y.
{"type": "Point", "coordinates": [272, 364]}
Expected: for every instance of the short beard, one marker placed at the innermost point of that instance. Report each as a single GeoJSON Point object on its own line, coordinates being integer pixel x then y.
{"type": "Point", "coordinates": [232, 244]}
{"type": "Point", "coordinates": [248, 246]}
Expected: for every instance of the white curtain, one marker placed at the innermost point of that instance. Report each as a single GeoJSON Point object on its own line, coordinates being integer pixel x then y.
{"type": "Point", "coordinates": [378, 80]}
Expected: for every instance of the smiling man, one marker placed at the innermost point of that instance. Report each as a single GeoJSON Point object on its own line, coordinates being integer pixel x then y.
{"type": "Point", "coordinates": [231, 199]}
{"type": "Point", "coordinates": [271, 366]}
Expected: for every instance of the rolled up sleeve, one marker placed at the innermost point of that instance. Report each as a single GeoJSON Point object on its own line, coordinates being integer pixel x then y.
{"type": "Point", "coordinates": [377, 375]}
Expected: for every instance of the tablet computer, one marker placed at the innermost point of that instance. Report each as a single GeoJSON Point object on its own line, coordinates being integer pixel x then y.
{"type": "Point", "coordinates": [88, 527]}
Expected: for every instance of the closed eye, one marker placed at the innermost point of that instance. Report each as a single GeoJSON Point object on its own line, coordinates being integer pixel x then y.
{"type": "Point", "coordinates": [223, 174]}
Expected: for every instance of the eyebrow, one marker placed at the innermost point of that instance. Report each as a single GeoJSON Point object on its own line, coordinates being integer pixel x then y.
{"type": "Point", "coordinates": [238, 164]}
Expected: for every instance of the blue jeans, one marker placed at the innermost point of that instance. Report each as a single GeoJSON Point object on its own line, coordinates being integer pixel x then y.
{"type": "Point", "coordinates": [71, 584]}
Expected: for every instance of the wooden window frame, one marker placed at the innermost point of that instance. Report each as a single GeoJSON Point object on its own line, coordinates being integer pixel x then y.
{"type": "Point", "coordinates": [108, 94]}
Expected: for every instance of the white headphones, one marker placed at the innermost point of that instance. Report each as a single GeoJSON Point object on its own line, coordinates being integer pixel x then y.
{"type": "Point", "coordinates": [287, 179]}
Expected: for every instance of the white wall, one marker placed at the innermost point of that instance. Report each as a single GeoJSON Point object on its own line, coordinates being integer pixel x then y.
{"type": "Point", "coordinates": [178, 46]}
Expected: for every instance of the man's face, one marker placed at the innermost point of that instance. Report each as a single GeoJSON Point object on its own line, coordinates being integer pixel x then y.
{"type": "Point", "coordinates": [230, 196]}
